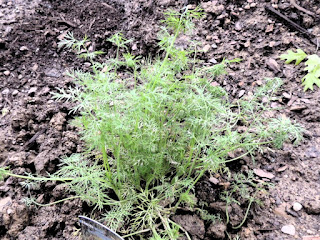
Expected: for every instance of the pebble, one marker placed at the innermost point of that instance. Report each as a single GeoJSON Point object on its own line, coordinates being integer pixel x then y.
{"type": "Point", "coordinates": [214, 45]}
{"type": "Point", "coordinates": [286, 95]}
{"type": "Point", "coordinates": [53, 72]}
{"type": "Point", "coordinates": [15, 92]}
{"type": "Point", "coordinates": [213, 60]}
{"type": "Point", "coordinates": [289, 229]}
{"type": "Point", "coordinates": [241, 93]}
{"type": "Point", "coordinates": [6, 91]}
{"type": "Point", "coordinates": [32, 90]}
{"type": "Point", "coordinates": [7, 73]}
{"type": "Point", "coordinates": [24, 48]}
{"type": "Point", "coordinates": [206, 48]}
{"type": "Point", "coordinates": [297, 206]}
{"type": "Point", "coordinates": [238, 26]}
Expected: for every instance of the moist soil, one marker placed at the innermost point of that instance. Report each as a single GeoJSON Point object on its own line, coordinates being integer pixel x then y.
{"type": "Point", "coordinates": [35, 131]}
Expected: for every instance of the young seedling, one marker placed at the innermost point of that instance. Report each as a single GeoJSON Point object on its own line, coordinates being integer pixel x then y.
{"type": "Point", "coordinates": [312, 67]}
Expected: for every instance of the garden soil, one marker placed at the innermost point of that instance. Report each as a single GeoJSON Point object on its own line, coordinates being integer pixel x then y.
{"type": "Point", "coordinates": [35, 130]}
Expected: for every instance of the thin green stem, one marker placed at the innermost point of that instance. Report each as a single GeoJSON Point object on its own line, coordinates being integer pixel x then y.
{"type": "Point", "coordinates": [38, 178]}
{"type": "Point", "coordinates": [246, 215]}
{"type": "Point", "coordinates": [56, 202]}
{"type": "Point", "coordinates": [137, 232]}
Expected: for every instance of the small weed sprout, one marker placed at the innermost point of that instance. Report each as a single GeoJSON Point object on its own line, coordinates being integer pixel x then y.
{"type": "Point", "coordinates": [312, 67]}
{"type": "Point", "coordinates": [148, 145]}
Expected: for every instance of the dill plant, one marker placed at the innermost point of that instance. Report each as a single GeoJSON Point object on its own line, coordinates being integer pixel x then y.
{"type": "Point", "coordinates": [149, 144]}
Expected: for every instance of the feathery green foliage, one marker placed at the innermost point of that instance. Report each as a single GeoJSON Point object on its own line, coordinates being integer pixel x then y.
{"type": "Point", "coordinates": [152, 136]}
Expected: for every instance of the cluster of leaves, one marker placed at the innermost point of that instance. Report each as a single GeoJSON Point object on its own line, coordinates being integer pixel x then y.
{"type": "Point", "coordinates": [312, 66]}
{"type": "Point", "coordinates": [151, 136]}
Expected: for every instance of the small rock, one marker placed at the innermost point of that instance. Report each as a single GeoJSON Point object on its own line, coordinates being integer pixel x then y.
{"type": "Point", "coordinates": [269, 28]}
{"type": "Point", "coordinates": [6, 91]}
{"type": "Point", "coordinates": [310, 232]}
{"type": "Point", "coordinates": [297, 206]}
{"type": "Point", "coordinates": [213, 60]}
{"type": "Point", "coordinates": [32, 91]}
{"type": "Point", "coordinates": [7, 73]}
{"type": "Point", "coordinates": [286, 95]}
{"type": "Point", "coordinates": [214, 180]}
{"type": "Point", "coordinates": [53, 73]}
{"type": "Point", "coordinates": [214, 45]}
{"type": "Point", "coordinates": [24, 48]}
{"type": "Point", "coordinates": [253, 5]}
{"type": "Point", "coordinates": [247, 7]}
{"type": "Point", "coordinates": [292, 213]}
{"type": "Point", "coordinates": [15, 92]}
{"type": "Point", "coordinates": [289, 229]}
{"type": "Point", "coordinates": [206, 48]}
{"type": "Point", "coordinates": [134, 47]}
{"type": "Point", "coordinates": [241, 93]}
{"type": "Point", "coordinates": [238, 26]}
{"type": "Point", "coordinates": [35, 67]}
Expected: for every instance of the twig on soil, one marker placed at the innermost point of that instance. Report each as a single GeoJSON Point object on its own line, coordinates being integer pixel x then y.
{"type": "Point", "coordinates": [293, 3]}
{"type": "Point", "coordinates": [286, 20]}
{"type": "Point", "coordinates": [28, 143]}
{"type": "Point", "coordinates": [91, 24]}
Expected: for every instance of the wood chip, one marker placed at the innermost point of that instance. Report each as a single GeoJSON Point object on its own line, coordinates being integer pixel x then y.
{"type": "Point", "coordinates": [263, 174]}
{"type": "Point", "coordinates": [283, 168]}
{"type": "Point", "coordinates": [297, 108]}
{"type": "Point", "coordinates": [269, 28]}
{"type": "Point", "coordinates": [286, 95]}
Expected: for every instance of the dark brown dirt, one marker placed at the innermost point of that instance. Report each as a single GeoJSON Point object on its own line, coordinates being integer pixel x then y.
{"type": "Point", "coordinates": [35, 131]}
